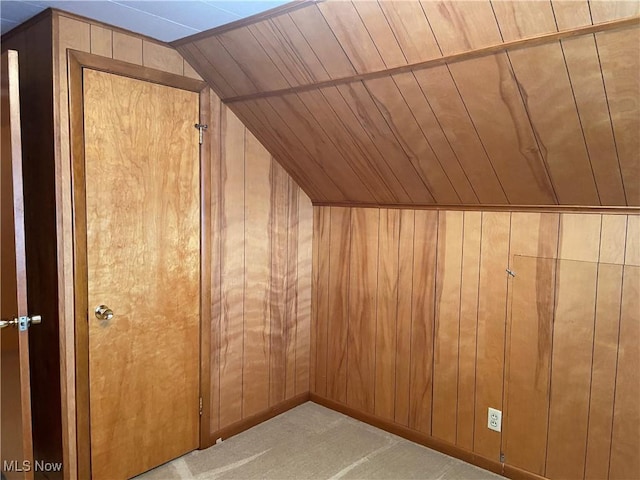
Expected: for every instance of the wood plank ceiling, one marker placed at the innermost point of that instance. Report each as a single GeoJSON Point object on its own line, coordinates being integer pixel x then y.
{"type": "Point", "coordinates": [440, 102]}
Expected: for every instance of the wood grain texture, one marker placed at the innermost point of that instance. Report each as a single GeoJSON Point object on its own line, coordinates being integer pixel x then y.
{"type": "Point", "coordinates": [115, 108]}
{"type": "Point", "coordinates": [404, 318]}
{"type": "Point", "coordinates": [456, 311]}
{"type": "Point", "coordinates": [571, 368]}
{"type": "Point", "coordinates": [69, 32]}
{"type": "Point", "coordinates": [422, 318]}
{"type": "Point", "coordinates": [491, 319]}
{"type": "Point", "coordinates": [472, 238]}
{"type": "Point", "coordinates": [387, 313]}
{"type": "Point", "coordinates": [537, 92]}
{"type": "Point", "coordinates": [257, 317]}
{"type": "Point", "coordinates": [529, 359]}
{"type": "Point", "coordinates": [16, 437]}
{"type": "Point", "coordinates": [362, 312]}
{"type": "Point", "coordinates": [447, 325]}
{"type": "Point", "coordinates": [625, 443]}
{"type": "Point", "coordinates": [338, 313]}
{"type": "Point", "coordinates": [603, 371]}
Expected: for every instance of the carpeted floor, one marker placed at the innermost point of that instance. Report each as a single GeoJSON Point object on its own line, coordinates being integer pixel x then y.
{"type": "Point", "coordinates": [313, 442]}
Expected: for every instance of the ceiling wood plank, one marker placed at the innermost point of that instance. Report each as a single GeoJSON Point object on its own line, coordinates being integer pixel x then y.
{"type": "Point", "coordinates": [408, 134]}
{"type": "Point", "coordinates": [226, 66]}
{"type": "Point", "coordinates": [355, 40]}
{"type": "Point", "coordinates": [448, 59]}
{"type": "Point", "coordinates": [305, 125]}
{"type": "Point", "coordinates": [620, 61]}
{"type": "Point", "coordinates": [583, 65]}
{"type": "Point", "coordinates": [322, 41]}
{"type": "Point", "coordinates": [298, 49]}
{"type": "Point", "coordinates": [411, 30]}
{"type": "Point", "coordinates": [433, 133]}
{"type": "Point", "coordinates": [254, 61]}
{"type": "Point", "coordinates": [442, 94]}
{"type": "Point", "coordinates": [549, 99]}
{"type": "Point", "coordinates": [384, 137]}
{"type": "Point", "coordinates": [380, 31]}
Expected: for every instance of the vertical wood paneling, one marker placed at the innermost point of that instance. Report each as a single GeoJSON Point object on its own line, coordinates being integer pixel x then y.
{"type": "Point", "coordinates": [387, 313]}
{"type": "Point", "coordinates": [625, 442]}
{"type": "Point", "coordinates": [603, 371]}
{"type": "Point", "coordinates": [466, 337]}
{"type": "Point", "coordinates": [468, 328]}
{"type": "Point", "coordinates": [278, 220]}
{"type": "Point", "coordinates": [529, 357]}
{"type": "Point", "coordinates": [257, 315]}
{"type": "Point", "coordinates": [571, 368]}
{"type": "Point", "coordinates": [404, 317]}
{"type": "Point", "coordinates": [127, 48]}
{"type": "Point", "coordinates": [422, 313]}
{"type": "Point", "coordinates": [101, 42]}
{"type": "Point", "coordinates": [362, 312]}
{"type": "Point", "coordinates": [619, 56]}
{"type": "Point", "coordinates": [632, 250]}
{"type": "Point", "coordinates": [321, 295]}
{"type": "Point", "coordinates": [291, 300]}
{"type": "Point", "coordinates": [232, 269]}
{"type": "Point", "coordinates": [304, 292]}
{"type": "Point", "coordinates": [338, 314]}
{"type": "Point", "coordinates": [447, 325]}
{"type": "Point", "coordinates": [494, 257]}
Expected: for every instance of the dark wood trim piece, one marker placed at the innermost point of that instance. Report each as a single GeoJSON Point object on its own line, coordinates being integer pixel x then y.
{"type": "Point", "coordinates": [76, 119]}
{"type": "Point", "coordinates": [77, 61]}
{"type": "Point", "coordinates": [243, 22]}
{"type": "Point", "coordinates": [411, 435]}
{"type": "Point", "coordinates": [258, 418]}
{"type": "Point", "coordinates": [449, 59]}
{"type": "Point", "coordinates": [44, 15]}
{"type": "Point", "coordinates": [118, 67]}
{"type": "Point", "coordinates": [616, 210]}
{"type": "Point", "coordinates": [518, 474]}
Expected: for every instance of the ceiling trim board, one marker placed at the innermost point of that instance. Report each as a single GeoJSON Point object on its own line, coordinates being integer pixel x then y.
{"type": "Point", "coordinates": [614, 210]}
{"type": "Point", "coordinates": [244, 22]}
{"type": "Point", "coordinates": [446, 60]}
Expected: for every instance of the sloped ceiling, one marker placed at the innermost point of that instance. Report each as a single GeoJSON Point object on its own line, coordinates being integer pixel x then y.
{"type": "Point", "coordinates": [418, 103]}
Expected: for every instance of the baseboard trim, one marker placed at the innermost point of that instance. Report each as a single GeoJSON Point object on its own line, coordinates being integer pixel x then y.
{"type": "Point", "coordinates": [253, 420]}
{"type": "Point", "coordinates": [426, 440]}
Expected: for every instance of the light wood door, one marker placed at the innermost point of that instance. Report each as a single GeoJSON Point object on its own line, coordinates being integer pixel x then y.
{"type": "Point", "coordinates": [143, 237]}
{"type": "Point", "coordinates": [15, 443]}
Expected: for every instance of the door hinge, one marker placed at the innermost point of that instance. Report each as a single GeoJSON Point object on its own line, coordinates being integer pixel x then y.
{"type": "Point", "coordinates": [501, 457]}
{"type": "Point", "coordinates": [201, 128]}
{"type": "Point", "coordinates": [200, 406]}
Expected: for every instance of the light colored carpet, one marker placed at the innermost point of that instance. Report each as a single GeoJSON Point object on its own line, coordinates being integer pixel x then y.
{"type": "Point", "coordinates": [313, 442]}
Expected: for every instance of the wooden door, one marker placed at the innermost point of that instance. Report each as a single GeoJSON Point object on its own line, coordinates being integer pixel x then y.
{"type": "Point", "coordinates": [15, 443]}
{"type": "Point", "coordinates": [143, 237]}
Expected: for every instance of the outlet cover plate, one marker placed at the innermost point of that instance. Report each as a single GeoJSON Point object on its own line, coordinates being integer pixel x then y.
{"type": "Point", "coordinates": [494, 420]}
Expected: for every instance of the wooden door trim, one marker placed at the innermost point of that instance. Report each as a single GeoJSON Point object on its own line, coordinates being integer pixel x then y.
{"type": "Point", "coordinates": [77, 61]}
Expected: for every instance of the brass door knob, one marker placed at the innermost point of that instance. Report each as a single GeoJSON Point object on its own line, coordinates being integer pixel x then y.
{"type": "Point", "coordinates": [103, 312]}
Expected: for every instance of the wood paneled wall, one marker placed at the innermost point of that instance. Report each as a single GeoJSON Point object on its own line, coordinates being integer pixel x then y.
{"type": "Point", "coordinates": [261, 285]}
{"type": "Point", "coordinates": [259, 249]}
{"type": "Point", "coordinates": [416, 321]}
{"type": "Point", "coordinates": [446, 102]}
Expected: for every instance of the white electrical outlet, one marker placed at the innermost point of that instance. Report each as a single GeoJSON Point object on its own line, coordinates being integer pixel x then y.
{"type": "Point", "coordinates": [494, 421]}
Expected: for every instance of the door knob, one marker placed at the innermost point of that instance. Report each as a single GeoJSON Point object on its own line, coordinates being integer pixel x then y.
{"type": "Point", "coordinates": [103, 312]}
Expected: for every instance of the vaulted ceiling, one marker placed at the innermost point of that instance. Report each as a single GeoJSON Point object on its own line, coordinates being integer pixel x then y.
{"type": "Point", "coordinates": [440, 102]}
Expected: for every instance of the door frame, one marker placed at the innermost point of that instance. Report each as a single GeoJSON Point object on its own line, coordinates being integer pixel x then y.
{"type": "Point", "coordinates": [77, 61]}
